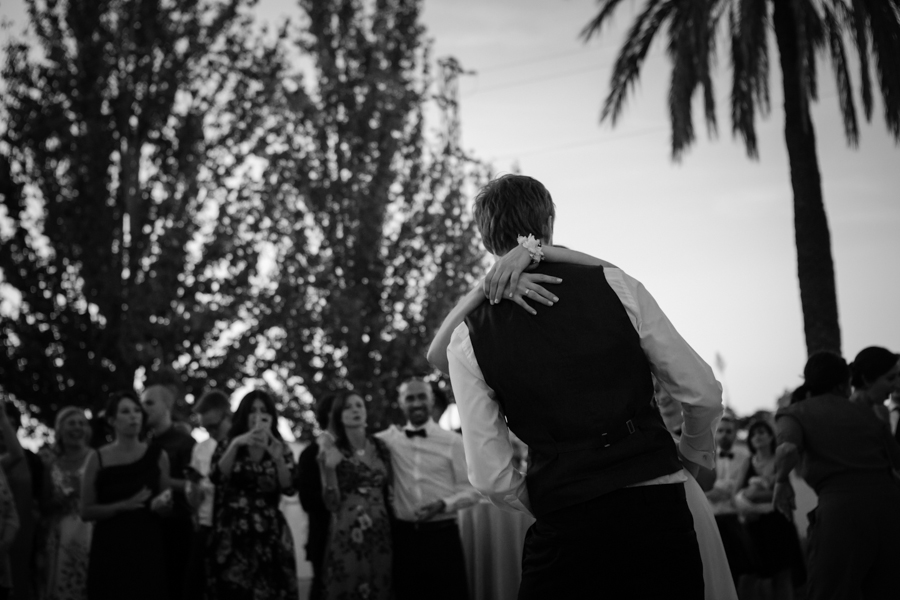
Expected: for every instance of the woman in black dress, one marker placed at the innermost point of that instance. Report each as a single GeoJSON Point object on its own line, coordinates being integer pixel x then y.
{"type": "Point", "coordinates": [125, 485]}
{"type": "Point", "coordinates": [251, 549]}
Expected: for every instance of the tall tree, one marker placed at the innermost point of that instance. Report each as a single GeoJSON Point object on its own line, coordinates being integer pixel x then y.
{"type": "Point", "coordinates": [128, 235]}
{"type": "Point", "coordinates": [372, 240]}
{"type": "Point", "coordinates": [803, 30]}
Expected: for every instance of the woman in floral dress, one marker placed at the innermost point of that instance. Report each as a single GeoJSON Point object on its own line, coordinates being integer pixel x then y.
{"type": "Point", "coordinates": [251, 550]}
{"type": "Point", "coordinates": [356, 474]}
{"type": "Point", "coordinates": [68, 536]}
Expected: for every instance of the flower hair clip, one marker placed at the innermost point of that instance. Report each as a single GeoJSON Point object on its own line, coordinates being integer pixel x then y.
{"type": "Point", "coordinates": [533, 247]}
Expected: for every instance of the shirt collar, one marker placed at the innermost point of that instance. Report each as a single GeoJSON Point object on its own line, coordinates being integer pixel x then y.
{"type": "Point", "coordinates": [428, 426]}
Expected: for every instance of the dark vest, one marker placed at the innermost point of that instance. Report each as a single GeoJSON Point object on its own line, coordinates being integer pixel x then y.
{"type": "Point", "coordinates": [574, 385]}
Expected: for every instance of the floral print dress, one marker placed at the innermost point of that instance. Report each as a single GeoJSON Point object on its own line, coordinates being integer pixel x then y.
{"type": "Point", "coordinates": [251, 550]}
{"type": "Point", "coordinates": [68, 537]}
{"type": "Point", "coordinates": [358, 559]}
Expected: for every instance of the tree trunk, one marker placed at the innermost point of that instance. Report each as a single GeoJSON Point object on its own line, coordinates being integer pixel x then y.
{"type": "Point", "coordinates": [815, 268]}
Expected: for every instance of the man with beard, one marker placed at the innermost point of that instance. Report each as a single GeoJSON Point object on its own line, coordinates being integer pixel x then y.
{"type": "Point", "coordinates": [430, 485]}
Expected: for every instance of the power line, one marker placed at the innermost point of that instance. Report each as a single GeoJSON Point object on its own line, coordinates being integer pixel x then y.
{"type": "Point", "coordinates": [580, 144]}
{"type": "Point", "coordinates": [531, 61]}
{"type": "Point", "coordinates": [530, 81]}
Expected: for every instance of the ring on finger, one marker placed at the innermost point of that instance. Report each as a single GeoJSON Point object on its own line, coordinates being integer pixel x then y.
{"type": "Point", "coordinates": [527, 292]}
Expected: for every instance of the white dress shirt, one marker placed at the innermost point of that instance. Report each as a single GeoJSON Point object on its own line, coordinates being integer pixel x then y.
{"type": "Point", "coordinates": [680, 371]}
{"type": "Point", "coordinates": [201, 457]}
{"type": "Point", "coordinates": [427, 469]}
{"type": "Point", "coordinates": [730, 472]}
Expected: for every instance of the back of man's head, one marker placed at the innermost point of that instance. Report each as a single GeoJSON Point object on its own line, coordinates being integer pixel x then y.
{"type": "Point", "coordinates": [213, 400]}
{"type": "Point", "coordinates": [510, 206]}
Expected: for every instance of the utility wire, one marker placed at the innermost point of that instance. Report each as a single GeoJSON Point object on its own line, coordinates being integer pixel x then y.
{"type": "Point", "coordinates": [580, 144]}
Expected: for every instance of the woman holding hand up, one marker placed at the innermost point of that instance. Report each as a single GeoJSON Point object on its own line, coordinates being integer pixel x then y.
{"type": "Point", "coordinates": [251, 550]}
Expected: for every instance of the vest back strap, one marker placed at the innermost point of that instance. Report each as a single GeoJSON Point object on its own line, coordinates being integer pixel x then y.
{"type": "Point", "coordinates": [603, 440]}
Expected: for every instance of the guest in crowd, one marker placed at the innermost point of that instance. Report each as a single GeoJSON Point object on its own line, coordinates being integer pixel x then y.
{"type": "Point", "coordinates": [251, 549]}
{"type": "Point", "coordinates": [68, 541]}
{"type": "Point", "coordinates": [121, 492]}
{"type": "Point", "coordinates": [158, 401]}
{"type": "Point", "coordinates": [731, 467]}
{"type": "Point", "coordinates": [9, 517]}
{"type": "Point", "coordinates": [894, 408]}
{"type": "Point", "coordinates": [846, 455]}
{"type": "Point", "coordinates": [356, 475]}
{"type": "Point", "coordinates": [773, 535]}
{"type": "Point", "coordinates": [430, 485]}
{"type": "Point", "coordinates": [24, 474]}
{"type": "Point", "coordinates": [308, 481]}
{"type": "Point", "coordinates": [213, 412]}
{"type": "Point", "coordinates": [875, 374]}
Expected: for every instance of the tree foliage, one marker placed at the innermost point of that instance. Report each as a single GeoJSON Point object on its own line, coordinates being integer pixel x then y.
{"type": "Point", "coordinates": [804, 30]}
{"type": "Point", "coordinates": [180, 192]}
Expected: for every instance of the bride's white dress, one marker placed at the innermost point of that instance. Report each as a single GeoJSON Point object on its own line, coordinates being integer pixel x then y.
{"type": "Point", "coordinates": [717, 581]}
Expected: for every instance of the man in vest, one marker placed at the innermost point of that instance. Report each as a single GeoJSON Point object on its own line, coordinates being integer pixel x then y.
{"type": "Point", "coordinates": [604, 480]}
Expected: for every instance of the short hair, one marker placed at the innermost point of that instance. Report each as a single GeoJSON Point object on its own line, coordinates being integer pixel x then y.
{"type": "Point", "coordinates": [415, 379]}
{"type": "Point", "coordinates": [339, 402]}
{"type": "Point", "coordinates": [760, 424]}
{"type": "Point", "coordinates": [510, 206]}
{"type": "Point", "coordinates": [241, 420]}
{"type": "Point", "coordinates": [116, 398]}
{"type": "Point", "coordinates": [213, 400]}
{"type": "Point", "coordinates": [825, 371]}
{"type": "Point", "coordinates": [870, 364]}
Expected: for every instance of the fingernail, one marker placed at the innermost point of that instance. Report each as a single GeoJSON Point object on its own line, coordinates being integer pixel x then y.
{"type": "Point", "coordinates": [555, 299]}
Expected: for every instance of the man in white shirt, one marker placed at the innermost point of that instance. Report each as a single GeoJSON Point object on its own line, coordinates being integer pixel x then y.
{"type": "Point", "coordinates": [574, 383]}
{"type": "Point", "coordinates": [430, 486]}
{"type": "Point", "coordinates": [213, 411]}
{"type": "Point", "coordinates": [731, 468]}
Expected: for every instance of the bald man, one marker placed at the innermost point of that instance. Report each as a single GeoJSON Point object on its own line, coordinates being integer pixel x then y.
{"type": "Point", "coordinates": [158, 401]}
{"type": "Point", "coordinates": [430, 485]}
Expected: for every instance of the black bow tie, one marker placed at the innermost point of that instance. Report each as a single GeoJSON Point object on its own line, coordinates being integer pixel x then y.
{"type": "Point", "coordinates": [411, 433]}
{"type": "Point", "coordinates": [726, 454]}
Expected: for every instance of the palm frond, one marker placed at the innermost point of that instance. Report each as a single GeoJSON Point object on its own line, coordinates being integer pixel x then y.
{"type": "Point", "coordinates": [884, 25]}
{"type": "Point", "coordinates": [859, 18]}
{"type": "Point", "coordinates": [684, 79]}
{"type": "Point", "coordinates": [841, 75]}
{"type": "Point", "coordinates": [748, 23]}
{"type": "Point", "coordinates": [596, 24]}
{"type": "Point", "coordinates": [811, 36]}
{"type": "Point", "coordinates": [632, 55]}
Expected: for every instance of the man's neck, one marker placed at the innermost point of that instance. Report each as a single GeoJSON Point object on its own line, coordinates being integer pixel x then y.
{"type": "Point", "coordinates": [411, 425]}
{"type": "Point", "coordinates": [163, 426]}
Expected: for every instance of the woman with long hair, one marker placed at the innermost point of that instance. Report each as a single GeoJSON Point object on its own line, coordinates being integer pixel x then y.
{"type": "Point", "coordinates": [251, 549]}
{"type": "Point", "coordinates": [68, 541]}
{"type": "Point", "coordinates": [125, 483]}
{"type": "Point", "coordinates": [356, 474]}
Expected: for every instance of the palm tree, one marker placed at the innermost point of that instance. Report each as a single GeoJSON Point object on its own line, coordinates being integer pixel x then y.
{"type": "Point", "coordinates": [803, 29]}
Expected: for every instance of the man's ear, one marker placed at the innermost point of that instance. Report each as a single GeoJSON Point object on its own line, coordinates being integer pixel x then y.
{"type": "Point", "coordinates": [549, 235]}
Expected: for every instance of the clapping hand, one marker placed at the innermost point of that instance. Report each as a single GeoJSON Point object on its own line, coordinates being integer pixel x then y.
{"type": "Point", "coordinates": [427, 511]}
{"type": "Point", "coordinates": [162, 503]}
{"type": "Point", "coordinates": [137, 501]}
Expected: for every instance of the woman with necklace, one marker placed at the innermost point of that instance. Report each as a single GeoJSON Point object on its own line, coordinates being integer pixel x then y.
{"type": "Point", "coordinates": [250, 553]}
{"type": "Point", "coordinates": [68, 536]}
{"type": "Point", "coordinates": [774, 537]}
{"type": "Point", "coordinates": [356, 478]}
{"type": "Point", "coordinates": [124, 487]}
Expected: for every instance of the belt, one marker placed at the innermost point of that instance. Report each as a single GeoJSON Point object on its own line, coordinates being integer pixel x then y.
{"type": "Point", "coordinates": [425, 525]}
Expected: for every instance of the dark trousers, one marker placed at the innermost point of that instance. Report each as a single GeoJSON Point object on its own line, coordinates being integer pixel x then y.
{"type": "Point", "coordinates": [195, 576]}
{"type": "Point", "coordinates": [636, 543]}
{"type": "Point", "coordinates": [738, 548]}
{"type": "Point", "coordinates": [854, 545]}
{"type": "Point", "coordinates": [429, 562]}
{"type": "Point", "coordinates": [177, 533]}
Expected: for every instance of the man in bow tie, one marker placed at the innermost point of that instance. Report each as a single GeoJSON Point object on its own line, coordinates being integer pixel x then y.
{"type": "Point", "coordinates": [430, 485]}
{"type": "Point", "coordinates": [731, 468]}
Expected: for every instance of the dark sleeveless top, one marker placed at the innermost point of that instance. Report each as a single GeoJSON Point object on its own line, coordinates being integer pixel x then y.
{"type": "Point", "coordinates": [575, 385]}
{"type": "Point", "coordinates": [126, 559]}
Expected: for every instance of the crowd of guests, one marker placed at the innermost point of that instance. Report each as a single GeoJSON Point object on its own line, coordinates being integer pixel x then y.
{"type": "Point", "coordinates": [151, 514]}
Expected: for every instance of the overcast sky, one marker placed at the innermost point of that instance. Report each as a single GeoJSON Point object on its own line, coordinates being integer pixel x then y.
{"type": "Point", "coordinates": [711, 237]}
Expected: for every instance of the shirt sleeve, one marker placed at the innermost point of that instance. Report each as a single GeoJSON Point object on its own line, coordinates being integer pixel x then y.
{"type": "Point", "coordinates": [677, 367]}
{"type": "Point", "coordinates": [789, 430]}
{"type": "Point", "coordinates": [485, 434]}
{"type": "Point", "coordinates": [466, 495]}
